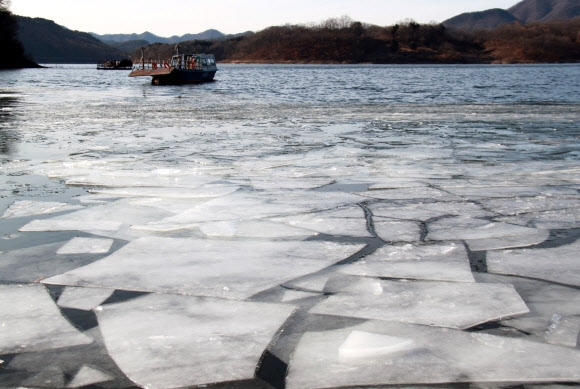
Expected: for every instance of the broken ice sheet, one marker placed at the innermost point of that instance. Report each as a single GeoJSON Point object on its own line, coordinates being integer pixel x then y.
{"type": "Point", "coordinates": [393, 183]}
{"type": "Point", "coordinates": [105, 219]}
{"type": "Point", "coordinates": [249, 206]}
{"type": "Point", "coordinates": [437, 356]}
{"type": "Point", "coordinates": [482, 235]}
{"type": "Point", "coordinates": [292, 295]}
{"type": "Point", "coordinates": [83, 298]}
{"type": "Point", "coordinates": [554, 219]}
{"type": "Point", "coordinates": [424, 211]}
{"type": "Point", "coordinates": [254, 229]}
{"type": "Point", "coordinates": [281, 182]}
{"type": "Point", "coordinates": [563, 331]}
{"type": "Point", "coordinates": [511, 191]}
{"type": "Point", "coordinates": [80, 245]}
{"type": "Point", "coordinates": [349, 221]}
{"type": "Point", "coordinates": [360, 345]}
{"type": "Point", "coordinates": [559, 264]}
{"type": "Point", "coordinates": [210, 190]}
{"type": "Point", "coordinates": [425, 193]}
{"type": "Point", "coordinates": [170, 341]}
{"type": "Point", "coordinates": [397, 231]}
{"type": "Point", "coordinates": [23, 208]}
{"type": "Point", "coordinates": [30, 321]}
{"type": "Point", "coordinates": [522, 205]}
{"type": "Point", "coordinates": [546, 301]}
{"type": "Point", "coordinates": [136, 178]}
{"type": "Point", "coordinates": [88, 376]}
{"type": "Point", "coordinates": [443, 304]}
{"type": "Point", "coordinates": [33, 263]}
{"type": "Point", "coordinates": [435, 262]}
{"type": "Point", "coordinates": [220, 268]}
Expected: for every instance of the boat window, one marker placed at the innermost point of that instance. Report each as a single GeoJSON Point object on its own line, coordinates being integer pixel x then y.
{"type": "Point", "coordinates": [204, 61]}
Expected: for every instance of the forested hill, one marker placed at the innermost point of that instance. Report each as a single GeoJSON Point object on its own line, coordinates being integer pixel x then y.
{"type": "Point", "coordinates": [47, 42]}
{"type": "Point", "coordinates": [526, 11]}
{"type": "Point", "coordinates": [346, 41]}
{"type": "Point", "coordinates": [12, 52]}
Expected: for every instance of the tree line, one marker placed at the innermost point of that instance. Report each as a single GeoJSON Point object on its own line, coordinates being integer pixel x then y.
{"type": "Point", "coordinates": [343, 40]}
{"type": "Point", "coordinates": [13, 56]}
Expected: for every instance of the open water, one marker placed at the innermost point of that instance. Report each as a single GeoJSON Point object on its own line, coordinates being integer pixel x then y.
{"type": "Point", "coordinates": [291, 226]}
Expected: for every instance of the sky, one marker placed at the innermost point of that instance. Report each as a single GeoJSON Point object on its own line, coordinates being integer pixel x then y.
{"type": "Point", "coordinates": [177, 17]}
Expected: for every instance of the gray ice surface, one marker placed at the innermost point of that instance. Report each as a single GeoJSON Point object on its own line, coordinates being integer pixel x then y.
{"type": "Point", "coordinates": [80, 245]}
{"type": "Point", "coordinates": [23, 208]}
{"type": "Point", "coordinates": [83, 298]}
{"type": "Point", "coordinates": [442, 304]}
{"type": "Point", "coordinates": [424, 355]}
{"type": "Point", "coordinates": [218, 268]}
{"type": "Point", "coordinates": [172, 341]}
{"type": "Point", "coordinates": [483, 235]}
{"type": "Point", "coordinates": [88, 376]}
{"type": "Point", "coordinates": [253, 237]}
{"type": "Point", "coordinates": [31, 321]}
{"type": "Point", "coordinates": [435, 262]}
{"type": "Point", "coordinates": [559, 264]}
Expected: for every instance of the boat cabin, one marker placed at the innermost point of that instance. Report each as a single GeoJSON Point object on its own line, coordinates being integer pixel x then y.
{"type": "Point", "coordinates": [205, 62]}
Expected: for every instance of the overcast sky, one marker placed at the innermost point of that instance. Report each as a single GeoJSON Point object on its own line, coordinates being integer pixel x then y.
{"type": "Point", "coordinates": [178, 17]}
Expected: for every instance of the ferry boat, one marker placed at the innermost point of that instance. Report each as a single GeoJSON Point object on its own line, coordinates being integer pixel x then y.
{"type": "Point", "coordinates": [115, 64]}
{"type": "Point", "coordinates": [180, 69]}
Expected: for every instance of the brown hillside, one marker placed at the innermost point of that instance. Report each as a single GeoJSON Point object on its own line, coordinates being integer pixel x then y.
{"type": "Point", "coordinates": [528, 11]}
{"type": "Point", "coordinates": [554, 42]}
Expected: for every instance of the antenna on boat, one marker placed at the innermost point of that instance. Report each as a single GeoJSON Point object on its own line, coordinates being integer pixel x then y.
{"type": "Point", "coordinates": [142, 57]}
{"type": "Point", "coordinates": [176, 49]}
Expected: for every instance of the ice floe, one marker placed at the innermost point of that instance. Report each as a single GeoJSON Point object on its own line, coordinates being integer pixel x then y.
{"type": "Point", "coordinates": [80, 245]}
{"type": "Point", "coordinates": [563, 331]}
{"type": "Point", "coordinates": [398, 231]}
{"type": "Point", "coordinates": [88, 376]}
{"type": "Point", "coordinates": [559, 264]}
{"type": "Point", "coordinates": [481, 234]}
{"type": "Point", "coordinates": [443, 304]}
{"type": "Point", "coordinates": [108, 219]}
{"type": "Point", "coordinates": [24, 265]}
{"type": "Point", "coordinates": [347, 222]}
{"type": "Point", "coordinates": [31, 321]}
{"type": "Point", "coordinates": [83, 298]}
{"type": "Point", "coordinates": [435, 262]}
{"type": "Point", "coordinates": [23, 208]}
{"type": "Point", "coordinates": [412, 193]}
{"type": "Point", "coordinates": [554, 309]}
{"type": "Point", "coordinates": [436, 355]}
{"type": "Point", "coordinates": [423, 211]}
{"type": "Point", "coordinates": [205, 191]}
{"type": "Point", "coordinates": [219, 268]}
{"type": "Point", "coordinates": [366, 345]}
{"type": "Point", "coordinates": [170, 341]}
{"type": "Point", "coordinates": [253, 229]}
{"type": "Point", "coordinates": [244, 206]}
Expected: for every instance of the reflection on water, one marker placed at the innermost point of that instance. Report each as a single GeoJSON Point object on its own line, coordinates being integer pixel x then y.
{"type": "Point", "coordinates": [8, 136]}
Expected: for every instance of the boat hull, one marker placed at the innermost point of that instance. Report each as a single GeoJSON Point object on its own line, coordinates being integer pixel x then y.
{"type": "Point", "coordinates": [179, 76]}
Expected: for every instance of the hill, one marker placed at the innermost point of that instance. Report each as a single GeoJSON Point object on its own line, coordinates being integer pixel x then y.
{"type": "Point", "coordinates": [483, 20]}
{"type": "Point", "coordinates": [12, 51]}
{"type": "Point", "coordinates": [152, 38]}
{"type": "Point", "coordinates": [129, 46]}
{"type": "Point", "coordinates": [528, 11]}
{"type": "Point", "coordinates": [47, 42]}
{"type": "Point", "coordinates": [336, 41]}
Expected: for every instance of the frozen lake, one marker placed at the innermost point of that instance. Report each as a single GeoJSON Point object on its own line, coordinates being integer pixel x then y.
{"type": "Point", "coordinates": [300, 226]}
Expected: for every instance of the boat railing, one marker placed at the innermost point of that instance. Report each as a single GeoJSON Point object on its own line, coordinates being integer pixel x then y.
{"type": "Point", "coordinates": [183, 62]}
{"type": "Point", "coordinates": [152, 64]}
